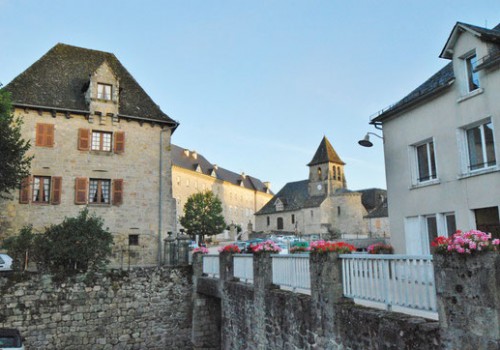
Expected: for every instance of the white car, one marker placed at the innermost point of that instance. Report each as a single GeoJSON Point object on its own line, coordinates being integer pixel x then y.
{"type": "Point", "coordinates": [10, 339]}
{"type": "Point", "coordinates": [5, 262]}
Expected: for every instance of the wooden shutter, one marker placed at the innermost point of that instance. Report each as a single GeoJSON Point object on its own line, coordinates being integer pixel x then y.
{"type": "Point", "coordinates": [118, 192]}
{"type": "Point", "coordinates": [83, 139]}
{"type": "Point", "coordinates": [56, 187]}
{"type": "Point", "coordinates": [25, 190]}
{"type": "Point", "coordinates": [44, 135]}
{"type": "Point", "coordinates": [40, 135]}
{"type": "Point", "coordinates": [81, 188]}
{"type": "Point", "coordinates": [119, 142]}
{"type": "Point", "coordinates": [49, 135]}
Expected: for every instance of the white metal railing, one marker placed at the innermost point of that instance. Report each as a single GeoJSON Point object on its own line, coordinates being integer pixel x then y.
{"type": "Point", "coordinates": [394, 280]}
{"type": "Point", "coordinates": [292, 271]}
{"type": "Point", "coordinates": [243, 267]}
{"type": "Point", "coordinates": [211, 265]}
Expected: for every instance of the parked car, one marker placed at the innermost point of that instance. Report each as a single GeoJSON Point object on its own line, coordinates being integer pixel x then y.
{"type": "Point", "coordinates": [193, 245]}
{"type": "Point", "coordinates": [242, 245]}
{"type": "Point", "coordinates": [5, 262]}
{"type": "Point", "coordinates": [11, 339]}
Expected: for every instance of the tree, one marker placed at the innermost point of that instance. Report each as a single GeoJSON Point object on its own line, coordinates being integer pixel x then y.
{"type": "Point", "coordinates": [203, 215]}
{"type": "Point", "coordinates": [14, 164]}
{"type": "Point", "coordinates": [76, 245]}
{"type": "Point", "coordinates": [20, 247]}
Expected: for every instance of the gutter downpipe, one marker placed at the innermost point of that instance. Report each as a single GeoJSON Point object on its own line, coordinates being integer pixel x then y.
{"type": "Point", "coordinates": [160, 207]}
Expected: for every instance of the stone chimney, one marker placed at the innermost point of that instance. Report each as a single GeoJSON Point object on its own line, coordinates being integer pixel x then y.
{"type": "Point", "coordinates": [194, 154]}
{"type": "Point", "coordinates": [186, 152]}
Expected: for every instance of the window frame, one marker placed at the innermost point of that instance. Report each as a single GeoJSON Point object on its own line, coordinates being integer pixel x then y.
{"type": "Point", "coordinates": [101, 141]}
{"type": "Point", "coordinates": [416, 167]}
{"type": "Point", "coordinates": [472, 78]}
{"type": "Point", "coordinates": [101, 95]}
{"type": "Point", "coordinates": [99, 191]}
{"type": "Point", "coordinates": [466, 154]}
{"type": "Point", "coordinates": [43, 192]}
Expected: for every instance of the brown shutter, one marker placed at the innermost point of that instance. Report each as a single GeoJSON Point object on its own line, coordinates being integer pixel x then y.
{"type": "Point", "coordinates": [56, 190]}
{"type": "Point", "coordinates": [83, 139]}
{"type": "Point", "coordinates": [25, 191]}
{"type": "Point", "coordinates": [81, 188]}
{"type": "Point", "coordinates": [49, 135]}
{"type": "Point", "coordinates": [40, 135]}
{"type": "Point", "coordinates": [119, 142]}
{"type": "Point", "coordinates": [118, 192]}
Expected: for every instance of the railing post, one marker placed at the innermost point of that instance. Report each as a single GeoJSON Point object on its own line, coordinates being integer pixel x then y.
{"type": "Point", "coordinates": [183, 250]}
{"type": "Point", "coordinates": [226, 267]}
{"type": "Point", "coordinates": [326, 290]}
{"type": "Point", "coordinates": [263, 280]}
{"type": "Point", "coordinates": [169, 251]}
{"type": "Point", "coordinates": [468, 299]}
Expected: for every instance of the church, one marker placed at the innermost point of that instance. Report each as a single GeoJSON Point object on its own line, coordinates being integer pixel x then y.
{"type": "Point", "coordinates": [323, 206]}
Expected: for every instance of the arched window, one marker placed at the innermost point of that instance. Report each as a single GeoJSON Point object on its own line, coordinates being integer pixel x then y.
{"type": "Point", "coordinates": [334, 173]}
{"type": "Point", "coordinates": [319, 173]}
{"type": "Point", "coordinates": [280, 223]}
{"type": "Point", "coordinates": [339, 177]}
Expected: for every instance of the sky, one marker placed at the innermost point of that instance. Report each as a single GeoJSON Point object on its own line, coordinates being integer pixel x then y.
{"type": "Point", "coordinates": [255, 85]}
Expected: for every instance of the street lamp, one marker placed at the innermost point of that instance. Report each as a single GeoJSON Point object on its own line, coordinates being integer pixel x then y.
{"type": "Point", "coordinates": [365, 142]}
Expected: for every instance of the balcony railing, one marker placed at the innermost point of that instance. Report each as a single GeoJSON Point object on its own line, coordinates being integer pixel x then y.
{"type": "Point", "coordinates": [211, 265]}
{"type": "Point", "coordinates": [291, 271]}
{"type": "Point", "coordinates": [243, 267]}
{"type": "Point", "coordinates": [393, 280]}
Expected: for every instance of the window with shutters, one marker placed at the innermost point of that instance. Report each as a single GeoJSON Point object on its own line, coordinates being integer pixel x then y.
{"type": "Point", "coordinates": [98, 140]}
{"type": "Point", "coordinates": [99, 191]}
{"type": "Point", "coordinates": [41, 190]}
{"type": "Point", "coordinates": [44, 135]}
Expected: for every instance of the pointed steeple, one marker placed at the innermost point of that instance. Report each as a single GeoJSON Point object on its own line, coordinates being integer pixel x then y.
{"type": "Point", "coordinates": [325, 154]}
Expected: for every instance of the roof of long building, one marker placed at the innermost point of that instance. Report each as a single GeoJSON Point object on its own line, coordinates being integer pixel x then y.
{"type": "Point", "coordinates": [59, 79]}
{"type": "Point", "coordinates": [193, 161]}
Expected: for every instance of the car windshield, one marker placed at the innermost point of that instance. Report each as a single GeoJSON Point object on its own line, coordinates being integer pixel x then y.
{"type": "Point", "coordinates": [8, 341]}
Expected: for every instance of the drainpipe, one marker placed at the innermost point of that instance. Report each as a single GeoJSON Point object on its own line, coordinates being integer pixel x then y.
{"type": "Point", "coordinates": [160, 206]}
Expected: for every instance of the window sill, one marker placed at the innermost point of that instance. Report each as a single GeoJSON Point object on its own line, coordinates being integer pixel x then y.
{"type": "Point", "coordinates": [425, 184]}
{"type": "Point", "coordinates": [101, 153]}
{"type": "Point", "coordinates": [470, 94]}
{"type": "Point", "coordinates": [479, 172]}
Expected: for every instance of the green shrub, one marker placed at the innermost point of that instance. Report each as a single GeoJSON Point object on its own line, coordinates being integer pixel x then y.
{"type": "Point", "coordinates": [76, 245]}
{"type": "Point", "coordinates": [20, 247]}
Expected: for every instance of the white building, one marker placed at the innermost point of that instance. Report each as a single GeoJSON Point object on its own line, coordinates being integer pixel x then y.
{"type": "Point", "coordinates": [441, 145]}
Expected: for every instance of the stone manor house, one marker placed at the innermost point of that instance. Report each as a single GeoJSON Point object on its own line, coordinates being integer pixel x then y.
{"type": "Point", "coordinates": [323, 204]}
{"type": "Point", "coordinates": [98, 141]}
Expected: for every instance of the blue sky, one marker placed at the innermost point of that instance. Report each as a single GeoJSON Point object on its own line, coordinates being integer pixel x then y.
{"type": "Point", "coordinates": [257, 84]}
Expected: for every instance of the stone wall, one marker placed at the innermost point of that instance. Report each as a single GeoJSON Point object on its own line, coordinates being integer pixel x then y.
{"type": "Point", "coordinates": [261, 316]}
{"type": "Point", "coordinates": [140, 309]}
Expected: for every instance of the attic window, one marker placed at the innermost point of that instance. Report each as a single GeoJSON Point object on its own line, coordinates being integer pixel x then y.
{"type": "Point", "coordinates": [472, 75]}
{"type": "Point", "coordinates": [104, 91]}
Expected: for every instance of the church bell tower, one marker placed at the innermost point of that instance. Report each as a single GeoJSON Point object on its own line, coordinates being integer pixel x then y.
{"type": "Point", "coordinates": [326, 171]}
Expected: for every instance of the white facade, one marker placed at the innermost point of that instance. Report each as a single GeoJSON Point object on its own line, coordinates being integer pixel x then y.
{"type": "Point", "coordinates": [442, 148]}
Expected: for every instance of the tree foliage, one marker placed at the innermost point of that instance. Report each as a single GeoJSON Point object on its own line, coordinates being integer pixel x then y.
{"type": "Point", "coordinates": [203, 214]}
{"type": "Point", "coordinates": [76, 245]}
{"type": "Point", "coordinates": [20, 247]}
{"type": "Point", "coordinates": [14, 164]}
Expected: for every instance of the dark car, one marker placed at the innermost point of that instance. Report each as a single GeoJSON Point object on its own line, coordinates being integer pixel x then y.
{"type": "Point", "coordinates": [11, 339]}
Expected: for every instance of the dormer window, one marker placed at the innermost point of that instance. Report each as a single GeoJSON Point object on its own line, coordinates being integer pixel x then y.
{"type": "Point", "coordinates": [472, 75]}
{"type": "Point", "coordinates": [104, 91]}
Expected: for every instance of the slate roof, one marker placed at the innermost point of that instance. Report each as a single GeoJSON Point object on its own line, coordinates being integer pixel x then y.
{"type": "Point", "coordinates": [59, 79]}
{"type": "Point", "coordinates": [440, 81]}
{"type": "Point", "coordinates": [180, 159]}
{"type": "Point", "coordinates": [432, 86]}
{"type": "Point", "coordinates": [325, 153]}
{"type": "Point", "coordinates": [294, 196]}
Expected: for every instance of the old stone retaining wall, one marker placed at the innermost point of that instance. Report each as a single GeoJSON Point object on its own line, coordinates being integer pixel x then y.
{"type": "Point", "coordinates": [139, 309]}
{"type": "Point", "coordinates": [261, 316]}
